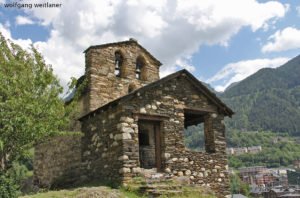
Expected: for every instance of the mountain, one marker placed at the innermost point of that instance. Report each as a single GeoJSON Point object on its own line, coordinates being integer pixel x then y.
{"type": "Point", "coordinates": [267, 100]}
{"type": "Point", "coordinates": [232, 85]}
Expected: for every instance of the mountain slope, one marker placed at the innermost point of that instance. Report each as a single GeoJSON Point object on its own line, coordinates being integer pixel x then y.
{"type": "Point", "coordinates": [267, 100]}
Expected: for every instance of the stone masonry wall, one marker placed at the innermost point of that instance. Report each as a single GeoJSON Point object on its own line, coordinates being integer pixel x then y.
{"type": "Point", "coordinates": [170, 100]}
{"type": "Point", "coordinates": [57, 161]}
{"type": "Point", "coordinates": [111, 144]}
{"type": "Point", "coordinates": [102, 147]}
{"type": "Point", "coordinates": [104, 86]}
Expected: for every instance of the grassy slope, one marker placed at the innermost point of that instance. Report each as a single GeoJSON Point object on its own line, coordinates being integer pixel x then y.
{"type": "Point", "coordinates": [101, 191]}
{"type": "Point", "coordinates": [105, 192]}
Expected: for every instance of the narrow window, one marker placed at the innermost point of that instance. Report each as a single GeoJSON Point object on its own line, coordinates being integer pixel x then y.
{"type": "Point", "coordinates": [118, 63]}
{"type": "Point", "coordinates": [197, 132]}
{"type": "Point", "coordinates": [194, 137]}
{"type": "Point", "coordinates": [140, 63]}
{"type": "Point", "coordinates": [194, 132]}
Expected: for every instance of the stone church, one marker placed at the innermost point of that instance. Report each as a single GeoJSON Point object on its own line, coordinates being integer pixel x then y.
{"type": "Point", "coordinates": [132, 120]}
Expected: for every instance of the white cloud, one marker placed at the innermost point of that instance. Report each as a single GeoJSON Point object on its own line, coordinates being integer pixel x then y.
{"type": "Point", "coordinates": [21, 20]}
{"type": "Point", "coordinates": [172, 30]}
{"type": "Point", "coordinates": [182, 63]}
{"type": "Point", "coordinates": [282, 40]}
{"type": "Point", "coordinates": [216, 12]}
{"type": "Point", "coordinates": [46, 16]}
{"type": "Point", "coordinates": [186, 64]}
{"type": "Point", "coordinates": [66, 61]}
{"type": "Point", "coordinates": [298, 10]}
{"type": "Point", "coordinates": [235, 72]}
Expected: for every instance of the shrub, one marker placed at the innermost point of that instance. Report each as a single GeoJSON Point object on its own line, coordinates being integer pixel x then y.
{"type": "Point", "coordinates": [8, 188]}
{"type": "Point", "coordinates": [17, 172]}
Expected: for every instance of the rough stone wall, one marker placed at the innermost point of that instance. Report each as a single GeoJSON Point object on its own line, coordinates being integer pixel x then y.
{"type": "Point", "coordinates": [170, 100]}
{"type": "Point", "coordinates": [83, 107]}
{"type": "Point", "coordinates": [204, 168]}
{"type": "Point", "coordinates": [102, 147]}
{"type": "Point", "coordinates": [57, 161]}
{"type": "Point", "coordinates": [104, 86]}
{"type": "Point", "coordinates": [111, 151]}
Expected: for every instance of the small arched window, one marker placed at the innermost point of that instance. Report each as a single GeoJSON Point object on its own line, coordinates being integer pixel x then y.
{"type": "Point", "coordinates": [140, 64]}
{"type": "Point", "coordinates": [118, 63]}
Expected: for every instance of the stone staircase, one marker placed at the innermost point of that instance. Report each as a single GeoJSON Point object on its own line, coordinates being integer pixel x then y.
{"type": "Point", "coordinates": [158, 184]}
{"type": "Point", "coordinates": [159, 190]}
{"type": "Point", "coordinates": [161, 184]}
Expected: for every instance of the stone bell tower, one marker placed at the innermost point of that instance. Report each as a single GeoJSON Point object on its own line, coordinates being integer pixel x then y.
{"type": "Point", "coordinates": [115, 69]}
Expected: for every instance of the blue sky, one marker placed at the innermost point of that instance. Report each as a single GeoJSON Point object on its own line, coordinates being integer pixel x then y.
{"type": "Point", "coordinates": [219, 41]}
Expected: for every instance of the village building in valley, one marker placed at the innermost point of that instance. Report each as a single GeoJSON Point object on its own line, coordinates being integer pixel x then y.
{"type": "Point", "coordinates": [133, 121]}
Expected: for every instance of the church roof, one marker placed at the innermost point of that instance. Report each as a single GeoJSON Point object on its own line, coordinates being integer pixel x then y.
{"type": "Point", "coordinates": [200, 86]}
{"type": "Point", "coordinates": [130, 41]}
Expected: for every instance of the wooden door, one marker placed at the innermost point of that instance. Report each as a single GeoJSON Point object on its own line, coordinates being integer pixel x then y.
{"type": "Point", "coordinates": [150, 144]}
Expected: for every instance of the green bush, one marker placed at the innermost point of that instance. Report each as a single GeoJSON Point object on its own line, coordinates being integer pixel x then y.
{"type": "Point", "coordinates": [11, 180]}
{"type": "Point", "coordinates": [26, 158]}
{"type": "Point", "coordinates": [17, 172]}
{"type": "Point", "coordinates": [8, 188]}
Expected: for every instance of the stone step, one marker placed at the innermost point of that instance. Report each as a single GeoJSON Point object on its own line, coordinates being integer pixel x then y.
{"type": "Point", "coordinates": [158, 192]}
{"type": "Point", "coordinates": [161, 186]}
{"type": "Point", "coordinates": [157, 181]}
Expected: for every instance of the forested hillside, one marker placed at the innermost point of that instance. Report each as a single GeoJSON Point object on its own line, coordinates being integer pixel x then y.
{"type": "Point", "coordinates": [278, 149]}
{"type": "Point", "coordinates": [267, 100]}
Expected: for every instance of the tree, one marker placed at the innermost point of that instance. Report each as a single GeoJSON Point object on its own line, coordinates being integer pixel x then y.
{"type": "Point", "coordinates": [237, 186]}
{"type": "Point", "coordinates": [30, 107]}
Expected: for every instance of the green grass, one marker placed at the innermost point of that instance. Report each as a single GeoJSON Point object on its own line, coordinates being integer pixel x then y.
{"type": "Point", "coordinates": [68, 133]}
{"type": "Point", "coordinates": [131, 190]}
{"type": "Point", "coordinates": [131, 194]}
{"type": "Point", "coordinates": [54, 194]}
{"type": "Point", "coordinates": [122, 193]}
{"type": "Point", "coordinates": [80, 192]}
{"type": "Point", "coordinates": [74, 193]}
